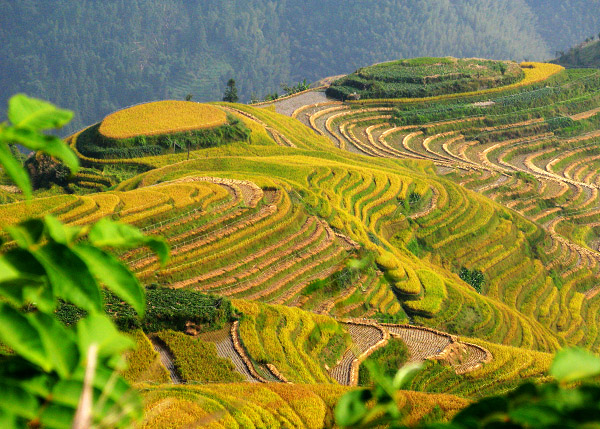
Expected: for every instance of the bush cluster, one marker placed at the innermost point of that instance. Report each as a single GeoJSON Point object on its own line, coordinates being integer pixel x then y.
{"type": "Point", "coordinates": [165, 309]}
{"type": "Point", "coordinates": [473, 277]}
{"type": "Point", "coordinates": [44, 171]}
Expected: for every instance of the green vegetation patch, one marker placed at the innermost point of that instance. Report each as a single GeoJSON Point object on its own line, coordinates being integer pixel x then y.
{"type": "Point", "coordinates": [425, 77]}
{"type": "Point", "coordinates": [165, 309]}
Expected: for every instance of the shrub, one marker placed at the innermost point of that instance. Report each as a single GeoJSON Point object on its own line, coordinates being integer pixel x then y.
{"type": "Point", "coordinates": [166, 309]}
{"type": "Point", "coordinates": [44, 171]}
{"type": "Point", "coordinates": [473, 277]}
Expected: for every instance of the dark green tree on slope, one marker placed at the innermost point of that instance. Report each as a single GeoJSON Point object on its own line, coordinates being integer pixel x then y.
{"type": "Point", "coordinates": [230, 94]}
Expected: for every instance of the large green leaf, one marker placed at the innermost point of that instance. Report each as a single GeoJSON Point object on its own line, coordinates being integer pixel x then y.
{"type": "Point", "coordinates": [59, 232]}
{"type": "Point", "coordinates": [57, 416]}
{"type": "Point", "coordinates": [406, 374]}
{"type": "Point", "coordinates": [112, 273]}
{"type": "Point", "coordinates": [67, 393]}
{"type": "Point", "coordinates": [59, 343]}
{"type": "Point", "coordinates": [106, 233]}
{"type": "Point", "coordinates": [39, 385]}
{"type": "Point", "coordinates": [27, 233]}
{"type": "Point", "coordinates": [51, 145]}
{"type": "Point", "coordinates": [18, 400]}
{"type": "Point", "coordinates": [7, 418]}
{"type": "Point", "coordinates": [574, 364]}
{"type": "Point", "coordinates": [14, 170]}
{"type": "Point", "coordinates": [535, 415]}
{"type": "Point", "coordinates": [486, 408]}
{"type": "Point", "coordinates": [106, 381]}
{"type": "Point", "coordinates": [22, 280]}
{"type": "Point", "coordinates": [99, 329]}
{"type": "Point", "coordinates": [352, 407]}
{"type": "Point", "coordinates": [69, 276]}
{"type": "Point", "coordinates": [18, 263]}
{"type": "Point", "coordinates": [27, 112]}
{"type": "Point", "coordinates": [18, 333]}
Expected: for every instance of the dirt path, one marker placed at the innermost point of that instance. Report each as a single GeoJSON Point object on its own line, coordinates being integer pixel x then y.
{"type": "Point", "coordinates": [287, 106]}
{"type": "Point", "coordinates": [365, 338]}
{"type": "Point", "coordinates": [585, 115]}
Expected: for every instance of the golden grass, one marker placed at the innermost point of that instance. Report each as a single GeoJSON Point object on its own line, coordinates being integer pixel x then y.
{"type": "Point", "coordinates": [269, 405]}
{"type": "Point", "coordinates": [161, 117]}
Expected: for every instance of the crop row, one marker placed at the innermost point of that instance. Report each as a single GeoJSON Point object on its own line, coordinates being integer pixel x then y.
{"type": "Point", "coordinates": [280, 335]}
{"type": "Point", "coordinates": [197, 360]}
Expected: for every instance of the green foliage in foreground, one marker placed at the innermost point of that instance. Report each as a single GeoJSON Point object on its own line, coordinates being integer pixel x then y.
{"type": "Point", "coordinates": [28, 118]}
{"type": "Point", "coordinates": [558, 404]}
{"type": "Point", "coordinates": [59, 376]}
{"type": "Point", "coordinates": [388, 359]}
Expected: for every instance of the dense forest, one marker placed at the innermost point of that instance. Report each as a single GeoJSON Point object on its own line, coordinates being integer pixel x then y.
{"type": "Point", "coordinates": [95, 57]}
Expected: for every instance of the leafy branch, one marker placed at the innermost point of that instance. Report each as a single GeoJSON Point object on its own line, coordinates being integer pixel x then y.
{"type": "Point", "coordinates": [57, 372]}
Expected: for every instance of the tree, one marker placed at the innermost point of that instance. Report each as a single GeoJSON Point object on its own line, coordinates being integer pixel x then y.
{"type": "Point", "coordinates": [230, 94]}
{"type": "Point", "coordinates": [60, 376]}
{"type": "Point", "coordinates": [44, 171]}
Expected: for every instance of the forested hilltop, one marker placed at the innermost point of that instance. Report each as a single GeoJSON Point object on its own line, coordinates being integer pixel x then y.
{"type": "Point", "coordinates": [97, 57]}
{"type": "Point", "coordinates": [587, 54]}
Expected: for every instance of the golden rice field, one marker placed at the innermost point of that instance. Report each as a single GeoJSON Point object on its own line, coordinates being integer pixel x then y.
{"type": "Point", "coordinates": [161, 117]}
{"type": "Point", "coordinates": [269, 405]}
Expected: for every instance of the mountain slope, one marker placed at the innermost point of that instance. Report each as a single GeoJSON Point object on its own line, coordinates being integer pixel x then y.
{"type": "Point", "coordinates": [96, 57]}
{"type": "Point", "coordinates": [584, 55]}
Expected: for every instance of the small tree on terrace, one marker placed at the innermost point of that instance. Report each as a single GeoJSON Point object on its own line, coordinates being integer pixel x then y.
{"type": "Point", "coordinates": [230, 94]}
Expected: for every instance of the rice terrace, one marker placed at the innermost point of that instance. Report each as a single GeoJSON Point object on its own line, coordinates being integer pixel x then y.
{"type": "Point", "coordinates": [439, 211]}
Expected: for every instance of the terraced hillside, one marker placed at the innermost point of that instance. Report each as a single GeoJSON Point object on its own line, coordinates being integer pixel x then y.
{"type": "Point", "coordinates": [423, 77]}
{"type": "Point", "coordinates": [533, 152]}
{"type": "Point", "coordinates": [464, 225]}
{"type": "Point", "coordinates": [271, 405]}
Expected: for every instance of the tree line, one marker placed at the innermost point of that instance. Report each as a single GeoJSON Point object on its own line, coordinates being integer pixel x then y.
{"type": "Point", "coordinates": [98, 57]}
